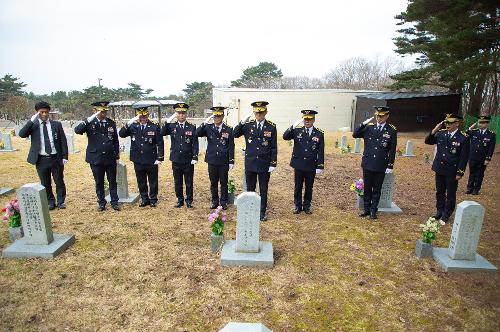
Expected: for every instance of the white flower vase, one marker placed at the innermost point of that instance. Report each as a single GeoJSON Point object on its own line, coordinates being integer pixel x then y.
{"type": "Point", "coordinates": [360, 202]}
{"type": "Point", "coordinates": [423, 249]}
{"type": "Point", "coordinates": [216, 241]}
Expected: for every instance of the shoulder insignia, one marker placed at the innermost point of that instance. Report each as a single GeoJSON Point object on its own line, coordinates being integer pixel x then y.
{"type": "Point", "coordinates": [393, 126]}
{"type": "Point", "coordinates": [250, 121]}
{"type": "Point", "coordinates": [464, 133]}
{"type": "Point", "coordinates": [475, 129]}
{"type": "Point", "coordinates": [271, 123]}
{"type": "Point", "coordinates": [229, 126]}
{"type": "Point", "coordinates": [443, 129]}
{"type": "Point", "coordinates": [371, 124]}
{"type": "Point", "coordinates": [321, 131]}
{"type": "Point", "coordinates": [301, 126]}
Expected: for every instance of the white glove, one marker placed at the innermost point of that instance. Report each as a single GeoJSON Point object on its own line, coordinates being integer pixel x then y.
{"type": "Point", "coordinates": [207, 120]}
{"type": "Point", "coordinates": [157, 162]}
{"type": "Point", "coordinates": [367, 121]}
{"type": "Point", "coordinates": [388, 170]}
{"type": "Point", "coordinates": [271, 169]}
{"type": "Point", "coordinates": [231, 166]}
{"type": "Point", "coordinates": [470, 128]}
{"type": "Point", "coordinates": [296, 123]}
{"type": "Point", "coordinates": [92, 117]}
{"type": "Point", "coordinates": [193, 162]}
{"type": "Point", "coordinates": [129, 123]}
{"type": "Point", "coordinates": [171, 118]}
{"type": "Point", "coordinates": [246, 118]}
{"type": "Point", "coordinates": [65, 161]}
{"type": "Point", "coordinates": [319, 171]}
{"type": "Point", "coordinates": [34, 117]}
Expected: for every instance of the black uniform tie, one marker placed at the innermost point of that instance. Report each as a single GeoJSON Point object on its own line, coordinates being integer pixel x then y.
{"type": "Point", "coordinates": [48, 148]}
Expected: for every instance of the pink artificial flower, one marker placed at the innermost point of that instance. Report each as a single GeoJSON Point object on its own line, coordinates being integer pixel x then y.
{"type": "Point", "coordinates": [224, 217]}
{"type": "Point", "coordinates": [5, 218]}
{"type": "Point", "coordinates": [211, 218]}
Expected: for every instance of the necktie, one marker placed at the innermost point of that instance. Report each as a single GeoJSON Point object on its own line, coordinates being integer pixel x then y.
{"type": "Point", "coordinates": [260, 127]}
{"type": "Point", "coordinates": [142, 127]}
{"type": "Point", "coordinates": [379, 128]}
{"type": "Point", "coordinates": [46, 140]}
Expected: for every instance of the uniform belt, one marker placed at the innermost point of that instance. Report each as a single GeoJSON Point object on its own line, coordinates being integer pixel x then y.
{"type": "Point", "coordinates": [49, 156]}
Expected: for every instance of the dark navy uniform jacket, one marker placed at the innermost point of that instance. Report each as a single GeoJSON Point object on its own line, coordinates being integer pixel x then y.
{"type": "Point", "coordinates": [146, 145]}
{"type": "Point", "coordinates": [261, 147]}
{"type": "Point", "coordinates": [380, 146]}
{"type": "Point", "coordinates": [308, 151]}
{"type": "Point", "coordinates": [103, 147]}
{"type": "Point", "coordinates": [482, 146]}
{"type": "Point", "coordinates": [220, 149]}
{"type": "Point", "coordinates": [183, 143]}
{"type": "Point", "coordinates": [452, 153]}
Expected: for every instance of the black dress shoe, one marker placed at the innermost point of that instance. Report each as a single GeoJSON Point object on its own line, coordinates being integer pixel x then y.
{"type": "Point", "coordinates": [364, 214]}
{"type": "Point", "coordinates": [116, 207]}
{"type": "Point", "coordinates": [224, 206]}
{"type": "Point", "coordinates": [475, 192]}
{"type": "Point", "coordinates": [101, 208]}
{"type": "Point", "coordinates": [214, 206]}
{"type": "Point", "coordinates": [437, 216]}
{"type": "Point", "coordinates": [263, 218]}
{"type": "Point", "coordinates": [52, 206]}
{"type": "Point", "coordinates": [153, 204]}
{"type": "Point", "coordinates": [445, 219]}
{"type": "Point", "coordinates": [373, 215]}
{"type": "Point", "coordinates": [307, 211]}
{"type": "Point", "coordinates": [143, 204]}
{"type": "Point", "coordinates": [61, 206]}
{"type": "Point", "coordinates": [468, 191]}
{"type": "Point", "coordinates": [297, 210]}
{"type": "Point", "coordinates": [179, 204]}
{"type": "Point", "coordinates": [189, 205]}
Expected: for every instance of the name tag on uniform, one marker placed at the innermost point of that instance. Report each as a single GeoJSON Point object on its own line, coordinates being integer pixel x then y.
{"type": "Point", "coordinates": [225, 135]}
{"type": "Point", "coordinates": [455, 143]}
{"type": "Point", "coordinates": [111, 129]}
{"type": "Point", "coordinates": [188, 133]}
{"type": "Point", "coordinates": [386, 135]}
{"type": "Point", "coordinates": [151, 133]}
{"type": "Point", "coordinates": [267, 134]}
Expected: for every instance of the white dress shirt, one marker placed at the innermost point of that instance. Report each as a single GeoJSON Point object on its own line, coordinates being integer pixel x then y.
{"type": "Point", "coordinates": [42, 141]}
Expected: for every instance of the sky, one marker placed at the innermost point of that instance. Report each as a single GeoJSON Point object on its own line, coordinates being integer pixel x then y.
{"type": "Point", "coordinates": [67, 45]}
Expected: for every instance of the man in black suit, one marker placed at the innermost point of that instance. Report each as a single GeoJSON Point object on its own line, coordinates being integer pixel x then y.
{"type": "Point", "coordinates": [146, 151]}
{"type": "Point", "coordinates": [103, 150]}
{"type": "Point", "coordinates": [48, 152]}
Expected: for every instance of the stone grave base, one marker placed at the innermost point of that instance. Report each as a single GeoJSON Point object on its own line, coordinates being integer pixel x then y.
{"type": "Point", "coordinates": [409, 155]}
{"type": "Point", "coordinates": [5, 191]}
{"type": "Point", "coordinates": [458, 265]}
{"type": "Point", "coordinates": [19, 249]}
{"type": "Point", "coordinates": [263, 258]}
{"type": "Point", "coordinates": [76, 151]}
{"type": "Point", "coordinates": [244, 327]}
{"type": "Point", "coordinates": [10, 150]}
{"type": "Point", "coordinates": [393, 209]}
{"type": "Point", "coordinates": [131, 199]}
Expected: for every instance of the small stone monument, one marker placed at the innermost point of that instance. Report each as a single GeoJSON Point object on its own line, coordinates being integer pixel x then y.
{"type": "Point", "coordinates": [122, 182]}
{"type": "Point", "coordinates": [38, 240]}
{"type": "Point", "coordinates": [385, 203]}
{"type": "Point", "coordinates": [202, 144]}
{"type": "Point", "coordinates": [5, 191]}
{"type": "Point", "coordinates": [461, 256]}
{"type": "Point", "coordinates": [343, 142]}
{"type": "Point", "coordinates": [125, 146]}
{"type": "Point", "coordinates": [70, 138]}
{"type": "Point", "coordinates": [7, 143]}
{"type": "Point", "coordinates": [244, 327]}
{"type": "Point", "coordinates": [409, 149]}
{"type": "Point", "coordinates": [17, 128]}
{"type": "Point", "coordinates": [357, 146]}
{"type": "Point", "coordinates": [247, 250]}
{"type": "Point", "coordinates": [244, 184]}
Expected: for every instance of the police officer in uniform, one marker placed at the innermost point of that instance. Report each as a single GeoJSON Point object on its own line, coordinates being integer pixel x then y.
{"type": "Point", "coordinates": [146, 151]}
{"type": "Point", "coordinates": [482, 146]}
{"type": "Point", "coordinates": [103, 150]}
{"type": "Point", "coordinates": [219, 155]}
{"type": "Point", "coordinates": [183, 153]}
{"type": "Point", "coordinates": [380, 142]}
{"type": "Point", "coordinates": [261, 151]}
{"type": "Point", "coordinates": [449, 164]}
{"type": "Point", "coordinates": [308, 158]}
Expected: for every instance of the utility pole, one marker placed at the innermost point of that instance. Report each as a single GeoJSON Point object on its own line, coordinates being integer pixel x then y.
{"type": "Point", "coordinates": [100, 88]}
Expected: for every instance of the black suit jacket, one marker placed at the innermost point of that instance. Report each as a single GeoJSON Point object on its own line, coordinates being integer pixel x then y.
{"type": "Point", "coordinates": [33, 129]}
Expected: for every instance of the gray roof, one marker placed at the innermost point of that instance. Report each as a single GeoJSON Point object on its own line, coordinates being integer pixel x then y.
{"type": "Point", "coordinates": [406, 95]}
{"type": "Point", "coordinates": [161, 102]}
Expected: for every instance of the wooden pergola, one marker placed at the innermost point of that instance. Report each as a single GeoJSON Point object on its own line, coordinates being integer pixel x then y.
{"type": "Point", "coordinates": [124, 110]}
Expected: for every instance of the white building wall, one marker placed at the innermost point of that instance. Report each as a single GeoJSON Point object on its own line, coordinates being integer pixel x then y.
{"type": "Point", "coordinates": [335, 107]}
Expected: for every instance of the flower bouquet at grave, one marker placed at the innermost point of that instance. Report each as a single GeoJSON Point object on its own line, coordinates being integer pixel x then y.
{"type": "Point", "coordinates": [217, 220]}
{"type": "Point", "coordinates": [336, 144]}
{"type": "Point", "coordinates": [2, 146]}
{"type": "Point", "coordinates": [358, 187]}
{"type": "Point", "coordinates": [344, 149]}
{"type": "Point", "coordinates": [400, 151]}
{"type": "Point", "coordinates": [231, 186]}
{"type": "Point", "coordinates": [349, 148]}
{"type": "Point", "coordinates": [427, 158]}
{"type": "Point", "coordinates": [12, 214]}
{"type": "Point", "coordinates": [430, 229]}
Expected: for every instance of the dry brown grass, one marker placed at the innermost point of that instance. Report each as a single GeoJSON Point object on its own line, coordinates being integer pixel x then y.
{"type": "Point", "coordinates": [145, 269]}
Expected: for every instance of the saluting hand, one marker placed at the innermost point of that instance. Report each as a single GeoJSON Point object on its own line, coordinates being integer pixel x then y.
{"type": "Point", "coordinates": [367, 121]}
{"type": "Point", "coordinates": [438, 126]}
{"type": "Point", "coordinates": [298, 122]}
{"type": "Point", "coordinates": [246, 118]}
{"type": "Point", "coordinates": [207, 120]}
{"type": "Point", "coordinates": [92, 117]}
{"type": "Point", "coordinates": [34, 117]}
{"type": "Point", "coordinates": [134, 119]}
{"type": "Point", "coordinates": [171, 118]}
{"type": "Point", "coordinates": [473, 125]}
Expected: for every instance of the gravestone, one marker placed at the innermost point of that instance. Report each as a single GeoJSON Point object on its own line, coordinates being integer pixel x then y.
{"type": "Point", "coordinates": [461, 255]}
{"type": "Point", "coordinates": [70, 138]}
{"type": "Point", "coordinates": [5, 191]}
{"type": "Point", "coordinates": [7, 143]}
{"type": "Point", "coordinates": [385, 203]}
{"type": "Point", "coordinates": [125, 145]}
{"type": "Point", "coordinates": [17, 128]}
{"type": "Point", "coordinates": [409, 149]}
{"type": "Point", "coordinates": [357, 146]}
{"type": "Point", "coordinates": [247, 250]}
{"type": "Point", "coordinates": [343, 141]}
{"type": "Point", "coordinates": [202, 144]}
{"type": "Point", "coordinates": [244, 327]}
{"type": "Point", "coordinates": [244, 185]}
{"type": "Point", "coordinates": [122, 186]}
{"type": "Point", "coordinates": [38, 240]}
